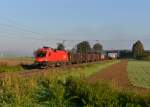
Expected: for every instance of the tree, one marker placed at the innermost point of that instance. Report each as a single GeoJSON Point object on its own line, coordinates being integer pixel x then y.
{"type": "Point", "coordinates": [97, 48]}
{"type": "Point", "coordinates": [84, 47]}
{"type": "Point", "coordinates": [60, 46]}
{"type": "Point", "coordinates": [138, 49]}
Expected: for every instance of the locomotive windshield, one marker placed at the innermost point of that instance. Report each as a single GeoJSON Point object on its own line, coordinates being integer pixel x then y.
{"type": "Point", "coordinates": [41, 54]}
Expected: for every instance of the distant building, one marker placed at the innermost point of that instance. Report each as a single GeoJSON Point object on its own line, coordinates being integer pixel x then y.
{"type": "Point", "coordinates": [119, 53]}
{"type": "Point", "coordinates": [112, 53]}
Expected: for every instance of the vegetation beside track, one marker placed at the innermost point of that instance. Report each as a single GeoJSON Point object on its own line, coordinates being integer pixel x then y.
{"type": "Point", "coordinates": [89, 69]}
{"type": "Point", "coordinates": [6, 68]}
{"type": "Point", "coordinates": [65, 88]}
{"type": "Point", "coordinates": [139, 73]}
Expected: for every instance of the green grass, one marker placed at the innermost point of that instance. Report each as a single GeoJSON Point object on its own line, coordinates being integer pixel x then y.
{"type": "Point", "coordinates": [81, 71]}
{"type": "Point", "coordinates": [89, 69]}
{"type": "Point", "coordinates": [139, 73]}
{"type": "Point", "coordinates": [10, 68]}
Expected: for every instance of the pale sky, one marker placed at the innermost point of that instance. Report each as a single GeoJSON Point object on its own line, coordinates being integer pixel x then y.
{"type": "Point", "coordinates": [26, 25]}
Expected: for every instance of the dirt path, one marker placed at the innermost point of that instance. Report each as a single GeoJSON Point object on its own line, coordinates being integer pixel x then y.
{"type": "Point", "coordinates": [117, 74]}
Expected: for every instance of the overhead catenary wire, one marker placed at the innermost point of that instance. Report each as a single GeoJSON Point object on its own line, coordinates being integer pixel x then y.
{"type": "Point", "coordinates": [19, 26]}
{"type": "Point", "coordinates": [34, 35]}
{"type": "Point", "coordinates": [25, 29]}
{"type": "Point", "coordinates": [27, 33]}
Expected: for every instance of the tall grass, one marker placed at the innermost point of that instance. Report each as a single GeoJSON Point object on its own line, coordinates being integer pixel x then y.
{"type": "Point", "coordinates": [55, 89]}
{"type": "Point", "coordinates": [46, 92]}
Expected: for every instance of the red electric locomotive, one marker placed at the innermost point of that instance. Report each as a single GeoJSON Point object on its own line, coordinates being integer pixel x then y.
{"type": "Point", "coordinates": [48, 56]}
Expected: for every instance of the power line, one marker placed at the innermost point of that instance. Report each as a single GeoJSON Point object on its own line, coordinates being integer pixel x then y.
{"type": "Point", "coordinates": [25, 31]}
{"type": "Point", "coordinates": [24, 28]}
{"type": "Point", "coordinates": [21, 27]}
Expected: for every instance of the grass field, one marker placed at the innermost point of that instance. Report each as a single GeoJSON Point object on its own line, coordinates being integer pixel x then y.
{"type": "Point", "coordinates": [15, 61]}
{"type": "Point", "coordinates": [14, 64]}
{"type": "Point", "coordinates": [139, 73]}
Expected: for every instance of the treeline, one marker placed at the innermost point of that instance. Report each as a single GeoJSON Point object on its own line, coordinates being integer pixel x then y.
{"type": "Point", "coordinates": [83, 47]}
{"type": "Point", "coordinates": [137, 51]}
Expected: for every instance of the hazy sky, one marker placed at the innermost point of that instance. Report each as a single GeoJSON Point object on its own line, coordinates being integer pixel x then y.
{"type": "Point", "coordinates": [28, 24]}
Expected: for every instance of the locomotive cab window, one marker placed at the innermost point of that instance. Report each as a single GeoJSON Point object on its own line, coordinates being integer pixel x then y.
{"type": "Point", "coordinates": [41, 54]}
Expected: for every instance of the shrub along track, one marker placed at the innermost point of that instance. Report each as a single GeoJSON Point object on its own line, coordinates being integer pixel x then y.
{"type": "Point", "coordinates": [117, 74]}
{"type": "Point", "coordinates": [35, 71]}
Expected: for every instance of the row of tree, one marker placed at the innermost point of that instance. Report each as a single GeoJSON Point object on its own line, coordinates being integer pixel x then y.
{"type": "Point", "coordinates": [137, 52]}
{"type": "Point", "coordinates": [84, 47]}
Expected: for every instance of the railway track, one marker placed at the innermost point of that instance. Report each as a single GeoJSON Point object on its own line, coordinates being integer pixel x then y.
{"type": "Point", "coordinates": [36, 71]}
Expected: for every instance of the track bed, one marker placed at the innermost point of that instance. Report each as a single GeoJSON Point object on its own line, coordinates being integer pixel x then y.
{"type": "Point", "coordinates": [35, 71]}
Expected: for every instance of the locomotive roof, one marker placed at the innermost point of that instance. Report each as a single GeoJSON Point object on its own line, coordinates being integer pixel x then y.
{"type": "Point", "coordinates": [49, 49]}
{"type": "Point", "coordinates": [45, 49]}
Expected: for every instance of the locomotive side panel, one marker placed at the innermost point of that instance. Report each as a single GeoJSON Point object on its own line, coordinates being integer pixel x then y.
{"type": "Point", "coordinates": [58, 56]}
{"type": "Point", "coordinates": [48, 55]}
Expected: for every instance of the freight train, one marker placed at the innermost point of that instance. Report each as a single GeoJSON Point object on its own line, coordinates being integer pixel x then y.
{"type": "Point", "coordinates": [47, 56]}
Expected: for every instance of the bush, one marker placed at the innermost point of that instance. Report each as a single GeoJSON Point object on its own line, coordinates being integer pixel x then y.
{"type": "Point", "coordinates": [145, 56]}
{"type": "Point", "coordinates": [51, 93]}
{"type": "Point", "coordinates": [82, 94]}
